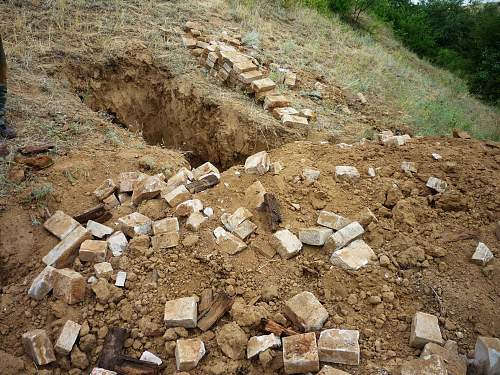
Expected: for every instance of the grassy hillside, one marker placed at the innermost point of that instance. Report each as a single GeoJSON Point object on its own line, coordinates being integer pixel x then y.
{"type": "Point", "coordinates": [429, 99]}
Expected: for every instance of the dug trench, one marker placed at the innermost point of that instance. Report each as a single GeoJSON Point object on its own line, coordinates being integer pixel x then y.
{"type": "Point", "coordinates": [180, 112]}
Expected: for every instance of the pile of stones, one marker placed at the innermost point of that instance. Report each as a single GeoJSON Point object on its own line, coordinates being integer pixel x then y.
{"type": "Point", "coordinates": [227, 61]}
{"type": "Point", "coordinates": [302, 351]}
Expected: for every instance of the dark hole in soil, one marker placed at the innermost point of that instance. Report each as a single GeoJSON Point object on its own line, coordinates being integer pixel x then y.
{"type": "Point", "coordinates": [173, 112]}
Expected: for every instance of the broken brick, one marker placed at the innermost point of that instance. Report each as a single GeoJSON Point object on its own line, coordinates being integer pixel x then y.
{"type": "Point", "coordinates": [332, 220]}
{"type": "Point", "coordinates": [148, 188]}
{"type": "Point", "coordinates": [424, 329]}
{"type": "Point", "coordinates": [339, 346]}
{"type": "Point", "coordinates": [69, 286]}
{"type": "Point", "coordinates": [65, 251]}
{"type": "Point", "coordinates": [306, 312]}
{"type": "Point", "coordinates": [93, 251]}
{"type": "Point", "coordinates": [103, 269]}
{"type": "Point", "coordinates": [300, 353]}
{"type": "Point", "coordinates": [98, 230]}
{"type": "Point", "coordinates": [293, 120]}
{"type": "Point", "coordinates": [37, 345]}
{"type": "Point", "coordinates": [135, 224]}
{"type": "Point", "coordinates": [181, 312]}
{"type": "Point", "coordinates": [257, 163]}
{"type": "Point", "coordinates": [67, 337]}
{"type": "Point", "coordinates": [60, 224]}
{"type": "Point", "coordinates": [264, 84]}
{"type": "Point", "coordinates": [117, 243]}
{"type": "Point", "coordinates": [127, 181]}
{"type": "Point", "coordinates": [188, 207]}
{"type": "Point", "coordinates": [188, 352]}
{"type": "Point", "coordinates": [273, 101]}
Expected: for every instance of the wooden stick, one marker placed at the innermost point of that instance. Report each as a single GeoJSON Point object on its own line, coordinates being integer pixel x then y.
{"type": "Point", "coordinates": [90, 214]}
{"type": "Point", "coordinates": [131, 366]}
{"type": "Point", "coordinates": [113, 347]}
{"type": "Point", "coordinates": [273, 211]}
{"type": "Point", "coordinates": [273, 327]}
{"type": "Point", "coordinates": [219, 307]}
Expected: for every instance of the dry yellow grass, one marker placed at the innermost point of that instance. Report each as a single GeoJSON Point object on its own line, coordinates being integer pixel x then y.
{"type": "Point", "coordinates": [431, 100]}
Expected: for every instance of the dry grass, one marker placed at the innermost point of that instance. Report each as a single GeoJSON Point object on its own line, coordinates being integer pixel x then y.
{"type": "Point", "coordinates": [431, 100]}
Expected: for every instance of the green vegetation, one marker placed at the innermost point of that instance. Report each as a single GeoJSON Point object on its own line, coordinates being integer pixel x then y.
{"type": "Point", "coordinates": [463, 38]}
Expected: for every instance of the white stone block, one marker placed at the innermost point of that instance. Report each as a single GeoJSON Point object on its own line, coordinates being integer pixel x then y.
{"type": "Point", "coordinates": [332, 220]}
{"type": "Point", "coordinates": [310, 174]}
{"type": "Point", "coordinates": [424, 329]}
{"type": "Point", "coordinates": [135, 224]}
{"type": "Point", "coordinates": [188, 207]}
{"type": "Point", "coordinates": [316, 236]}
{"type": "Point", "coordinates": [208, 212]}
{"type": "Point", "coordinates": [228, 242]}
{"type": "Point", "coordinates": [259, 344]}
{"type": "Point", "coordinates": [294, 120]}
{"type": "Point", "coordinates": [60, 224]}
{"type": "Point", "coordinates": [195, 221]}
{"type": "Point", "coordinates": [42, 284]}
{"type": "Point", "coordinates": [188, 353]}
{"type": "Point", "coordinates": [245, 229]}
{"type": "Point", "coordinates": [167, 225]}
{"type": "Point", "coordinates": [276, 167]}
{"type": "Point", "coordinates": [487, 355]}
{"type": "Point", "coordinates": [339, 346]}
{"type": "Point", "coordinates": [300, 353]}
{"type": "Point", "coordinates": [182, 177]}
{"type": "Point", "coordinates": [103, 269]}
{"type": "Point", "coordinates": [345, 172]}
{"type": "Point", "coordinates": [37, 345]}
{"type": "Point", "coordinates": [93, 251]}
{"type": "Point", "coordinates": [127, 181]}
{"type": "Point", "coordinates": [67, 337]}
{"type": "Point", "coordinates": [176, 196]}
{"type": "Point", "coordinates": [436, 156]}
{"type": "Point", "coordinates": [238, 217]}
{"type": "Point", "coordinates": [105, 189]}
{"type": "Point", "coordinates": [150, 357]}
{"type": "Point", "coordinates": [409, 167]}
{"type": "Point", "coordinates": [354, 256]}
{"type": "Point", "coordinates": [371, 172]}
{"type": "Point", "coordinates": [98, 230]}
{"type": "Point", "coordinates": [181, 312]}
{"type": "Point", "coordinates": [482, 255]}
{"type": "Point", "coordinates": [344, 236]}
{"type": "Point", "coordinates": [102, 371]}
{"type": "Point", "coordinates": [288, 244]}
{"type": "Point", "coordinates": [257, 163]}
{"type": "Point", "coordinates": [254, 195]}
{"type": "Point", "coordinates": [204, 170]}
{"type": "Point", "coordinates": [65, 251]}
{"type": "Point", "coordinates": [121, 277]}
{"type": "Point", "coordinates": [306, 312]}
{"type": "Point", "coordinates": [430, 365]}
{"type": "Point", "coordinates": [437, 184]}
{"type": "Point", "coordinates": [329, 370]}
{"type": "Point", "coordinates": [117, 243]}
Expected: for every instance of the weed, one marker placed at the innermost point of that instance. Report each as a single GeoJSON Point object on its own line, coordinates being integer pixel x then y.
{"type": "Point", "coordinates": [251, 39]}
{"type": "Point", "coordinates": [39, 194]}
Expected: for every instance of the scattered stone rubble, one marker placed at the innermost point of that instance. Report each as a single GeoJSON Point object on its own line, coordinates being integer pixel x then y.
{"type": "Point", "coordinates": [303, 352]}
{"type": "Point", "coordinates": [230, 62]}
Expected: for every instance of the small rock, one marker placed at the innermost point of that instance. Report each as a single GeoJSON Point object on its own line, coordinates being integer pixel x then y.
{"type": "Point", "coordinates": [287, 244]}
{"type": "Point", "coordinates": [437, 184]}
{"type": "Point", "coordinates": [67, 337]}
{"type": "Point", "coordinates": [258, 163]}
{"type": "Point", "coordinates": [259, 344]}
{"type": "Point", "coordinates": [482, 255]}
{"type": "Point", "coordinates": [232, 340]}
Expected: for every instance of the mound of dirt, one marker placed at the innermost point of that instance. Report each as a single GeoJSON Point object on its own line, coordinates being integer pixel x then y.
{"type": "Point", "coordinates": [423, 243]}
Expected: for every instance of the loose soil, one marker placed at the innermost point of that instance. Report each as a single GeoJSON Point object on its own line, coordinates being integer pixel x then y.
{"type": "Point", "coordinates": [430, 270]}
{"type": "Point", "coordinates": [98, 111]}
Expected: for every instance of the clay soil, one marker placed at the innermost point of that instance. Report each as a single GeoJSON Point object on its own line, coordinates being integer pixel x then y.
{"type": "Point", "coordinates": [134, 111]}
